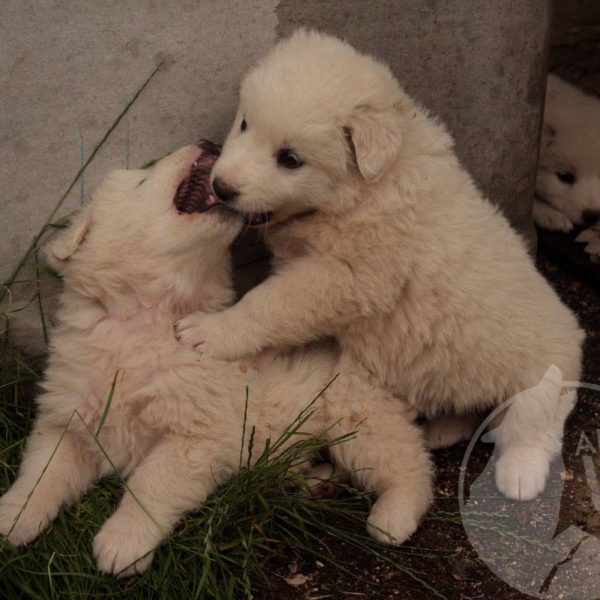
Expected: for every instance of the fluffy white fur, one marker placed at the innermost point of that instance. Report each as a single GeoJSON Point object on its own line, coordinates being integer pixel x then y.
{"type": "Point", "coordinates": [131, 266]}
{"type": "Point", "coordinates": [570, 145]}
{"type": "Point", "coordinates": [382, 239]}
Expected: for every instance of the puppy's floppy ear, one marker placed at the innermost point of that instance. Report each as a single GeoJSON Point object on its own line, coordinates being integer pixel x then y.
{"type": "Point", "coordinates": [376, 137]}
{"type": "Point", "coordinates": [64, 245]}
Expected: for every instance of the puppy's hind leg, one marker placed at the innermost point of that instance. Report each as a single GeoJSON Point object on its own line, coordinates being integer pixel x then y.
{"type": "Point", "coordinates": [447, 430]}
{"type": "Point", "coordinates": [175, 477]}
{"type": "Point", "coordinates": [323, 480]}
{"type": "Point", "coordinates": [387, 456]}
{"type": "Point", "coordinates": [55, 471]}
{"type": "Point", "coordinates": [529, 436]}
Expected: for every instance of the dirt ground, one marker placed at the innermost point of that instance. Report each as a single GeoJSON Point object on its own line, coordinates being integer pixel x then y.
{"type": "Point", "coordinates": [441, 550]}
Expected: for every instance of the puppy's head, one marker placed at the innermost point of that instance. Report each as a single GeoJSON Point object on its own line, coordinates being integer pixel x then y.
{"type": "Point", "coordinates": [316, 119]}
{"type": "Point", "coordinates": [149, 216]}
{"type": "Point", "coordinates": [569, 168]}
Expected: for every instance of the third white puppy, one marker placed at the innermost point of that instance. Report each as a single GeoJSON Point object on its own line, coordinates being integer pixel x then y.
{"type": "Point", "coordinates": [568, 180]}
{"type": "Point", "coordinates": [381, 238]}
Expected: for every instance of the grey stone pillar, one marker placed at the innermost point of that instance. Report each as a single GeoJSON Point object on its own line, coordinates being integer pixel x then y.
{"type": "Point", "coordinates": [478, 64]}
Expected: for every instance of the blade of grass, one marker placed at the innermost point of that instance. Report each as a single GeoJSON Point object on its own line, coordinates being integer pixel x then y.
{"type": "Point", "coordinates": [9, 282]}
{"type": "Point", "coordinates": [60, 439]}
{"type": "Point", "coordinates": [116, 470]}
{"type": "Point", "coordinates": [244, 426]}
{"type": "Point", "coordinates": [39, 290]}
{"type": "Point", "coordinates": [108, 403]}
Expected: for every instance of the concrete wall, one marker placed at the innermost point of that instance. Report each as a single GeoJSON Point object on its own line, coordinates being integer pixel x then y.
{"type": "Point", "coordinates": [68, 67]}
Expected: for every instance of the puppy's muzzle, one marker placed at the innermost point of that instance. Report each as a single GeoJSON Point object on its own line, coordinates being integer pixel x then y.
{"type": "Point", "coordinates": [224, 192]}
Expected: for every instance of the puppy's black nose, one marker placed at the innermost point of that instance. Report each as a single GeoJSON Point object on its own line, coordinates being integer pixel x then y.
{"type": "Point", "coordinates": [590, 217]}
{"type": "Point", "coordinates": [224, 192]}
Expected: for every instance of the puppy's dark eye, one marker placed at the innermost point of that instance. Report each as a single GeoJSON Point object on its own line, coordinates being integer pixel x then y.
{"type": "Point", "coordinates": [244, 125]}
{"type": "Point", "coordinates": [286, 158]}
{"type": "Point", "coordinates": [141, 181]}
{"type": "Point", "coordinates": [566, 177]}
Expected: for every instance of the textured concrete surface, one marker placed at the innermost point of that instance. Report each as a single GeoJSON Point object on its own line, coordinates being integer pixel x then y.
{"type": "Point", "coordinates": [68, 67]}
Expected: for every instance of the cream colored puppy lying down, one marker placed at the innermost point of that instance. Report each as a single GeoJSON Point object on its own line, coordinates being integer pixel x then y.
{"type": "Point", "coordinates": [151, 247]}
{"type": "Point", "coordinates": [381, 238]}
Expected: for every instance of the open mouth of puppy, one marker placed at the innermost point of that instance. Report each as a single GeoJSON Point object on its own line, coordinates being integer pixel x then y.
{"type": "Point", "coordinates": [195, 194]}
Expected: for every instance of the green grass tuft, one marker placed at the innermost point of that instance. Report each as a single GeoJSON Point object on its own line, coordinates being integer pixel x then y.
{"type": "Point", "coordinates": [228, 549]}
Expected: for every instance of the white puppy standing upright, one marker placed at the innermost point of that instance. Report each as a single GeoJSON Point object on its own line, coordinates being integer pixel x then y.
{"type": "Point", "coordinates": [150, 247]}
{"type": "Point", "coordinates": [381, 238]}
{"type": "Point", "coordinates": [568, 179]}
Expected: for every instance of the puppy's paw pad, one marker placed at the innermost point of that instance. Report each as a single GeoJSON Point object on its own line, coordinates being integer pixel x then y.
{"type": "Point", "coordinates": [123, 551]}
{"type": "Point", "coordinates": [521, 473]}
{"type": "Point", "coordinates": [392, 520]}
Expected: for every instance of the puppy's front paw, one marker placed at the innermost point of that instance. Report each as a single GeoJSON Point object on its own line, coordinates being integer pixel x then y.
{"type": "Point", "coordinates": [199, 332]}
{"type": "Point", "coordinates": [30, 521]}
{"type": "Point", "coordinates": [211, 334]}
{"type": "Point", "coordinates": [521, 473]}
{"type": "Point", "coordinates": [393, 519]}
{"type": "Point", "coordinates": [549, 218]}
{"type": "Point", "coordinates": [124, 548]}
{"type": "Point", "coordinates": [591, 238]}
